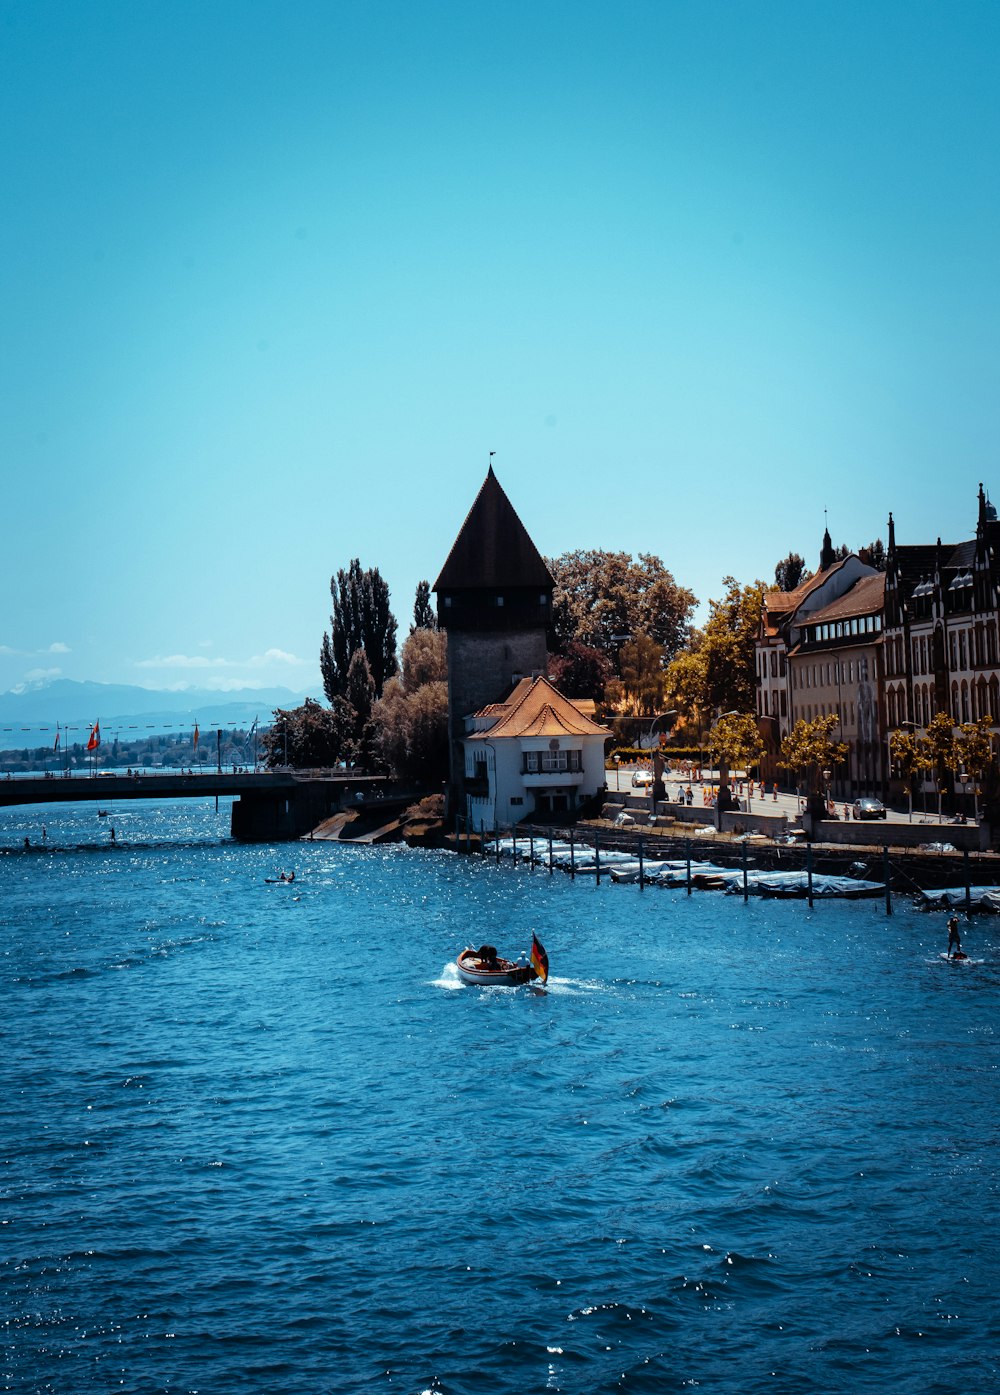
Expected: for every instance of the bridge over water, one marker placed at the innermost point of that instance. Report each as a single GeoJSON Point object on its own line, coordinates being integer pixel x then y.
{"type": "Point", "coordinates": [269, 805]}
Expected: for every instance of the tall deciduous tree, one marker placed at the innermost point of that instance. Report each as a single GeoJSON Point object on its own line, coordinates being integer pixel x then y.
{"type": "Point", "coordinates": [790, 572]}
{"type": "Point", "coordinates": [410, 720]}
{"type": "Point", "coordinates": [361, 619]}
{"type": "Point", "coordinates": [310, 737]}
{"type": "Point", "coordinates": [424, 617]}
{"type": "Point", "coordinates": [728, 647]}
{"type": "Point", "coordinates": [809, 747]}
{"type": "Point", "coordinates": [641, 683]}
{"type": "Point", "coordinates": [735, 741]}
{"type": "Point", "coordinates": [580, 671]}
{"type": "Point", "coordinates": [975, 751]}
{"type": "Point", "coordinates": [425, 659]}
{"type": "Point", "coordinates": [943, 749]}
{"type": "Point", "coordinates": [601, 597]}
{"type": "Point", "coordinates": [909, 752]}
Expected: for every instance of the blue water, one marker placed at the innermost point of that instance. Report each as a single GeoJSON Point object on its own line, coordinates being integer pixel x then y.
{"type": "Point", "coordinates": [257, 1138]}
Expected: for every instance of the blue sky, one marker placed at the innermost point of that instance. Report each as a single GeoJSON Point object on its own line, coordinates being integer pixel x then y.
{"type": "Point", "coordinates": [276, 279]}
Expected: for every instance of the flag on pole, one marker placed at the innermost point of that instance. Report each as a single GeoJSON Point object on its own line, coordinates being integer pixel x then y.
{"type": "Point", "coordinates": [539, 959]}
{"type": "Point", "coordinates": [55, 744]}
{"type": "Point", "coordinates": [196, 736]}
{"type": "Point", "coordinates": [95, 737]}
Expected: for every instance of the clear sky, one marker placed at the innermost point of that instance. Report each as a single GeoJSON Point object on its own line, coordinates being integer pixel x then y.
{"type": "Point", "coordinates": [275, 278]}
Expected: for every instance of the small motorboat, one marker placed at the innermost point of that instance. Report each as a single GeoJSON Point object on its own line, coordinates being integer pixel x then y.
{"type": "Point", "coordinates": [485, 967]}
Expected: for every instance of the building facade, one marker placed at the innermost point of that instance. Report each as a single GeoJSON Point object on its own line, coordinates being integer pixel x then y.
{"type": "Point", "coordinates": [537, 752]}
{"type": "Point", "coordinates": [941, 627]}
{"type": "Point", "coordinates": [819, 653]}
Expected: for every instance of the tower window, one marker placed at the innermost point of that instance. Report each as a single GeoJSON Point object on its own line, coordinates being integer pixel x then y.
{"type": "Point", "coordinates": [499, 600]}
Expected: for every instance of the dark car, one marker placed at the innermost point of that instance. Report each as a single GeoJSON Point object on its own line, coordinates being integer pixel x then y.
{"type": "Point", "coordinates": [869, 809]}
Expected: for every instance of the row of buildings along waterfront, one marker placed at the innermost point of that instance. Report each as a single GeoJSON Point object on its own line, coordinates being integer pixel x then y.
{"type": "Point", "coordinates": [884, 650]}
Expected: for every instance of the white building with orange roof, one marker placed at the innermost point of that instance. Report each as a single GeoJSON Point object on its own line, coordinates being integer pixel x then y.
{"type": "Point", "coordinates": [535, 752]}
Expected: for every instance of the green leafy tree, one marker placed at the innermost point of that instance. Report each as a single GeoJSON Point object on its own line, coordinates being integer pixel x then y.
{"type": "Point", "coordinates": [686, 683]}
{"type": "Point", "coordinates": [728, 647]}
{"type": "Point", "coordinates": [809, 749]}
{"type": "Point", "coordinates": [580, 671]}
{"type": "Point", "coordinates": [360, 696]}
{"type": "Point", "coordinates": [599, 597]}
{"type": "Point", "coordinates": [424, 617]}
{"type": "Point", "coordinates": [309, 737]}
{"type": "Point", "coordinates": [735, 742]}
{"type": "Point", "coordinates": [909, 752]}
{"type": "Point", "coordinates": [361, 619]}
{"type": "Point", "coordinates": [410, 720]}
{"type": "Point", "coordinates": [425, 659]}
{"type": "Point", "coordinates": [642, 677]}
{"type": "Point", "coordinates": [943, 750]}
{"type": "Point", "coordinates": [975, 752]}
{"type": "Point", "coordinates": [790, 572]}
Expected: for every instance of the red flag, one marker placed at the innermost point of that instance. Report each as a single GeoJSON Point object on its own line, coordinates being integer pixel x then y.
{"type": "Point", "coordinates": [195, 743]}
{"type": "Point", "coordinates": [95, 737]}
{"type": "Point", "coordinates": [539, 960]}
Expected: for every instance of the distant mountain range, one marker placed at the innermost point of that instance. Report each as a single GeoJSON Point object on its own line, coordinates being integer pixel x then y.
{"type": "Point", "coordinates": [119, 705]}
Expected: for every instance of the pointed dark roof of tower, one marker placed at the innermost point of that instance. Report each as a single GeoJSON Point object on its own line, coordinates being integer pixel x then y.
{"type": "Point", "coordinates": [493, 548]}
{"type": "Point", "coordinates": [827, 556]}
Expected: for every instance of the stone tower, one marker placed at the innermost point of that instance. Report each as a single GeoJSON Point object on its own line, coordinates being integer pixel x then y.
{"type": "Point", "coordinates": [494, 598]}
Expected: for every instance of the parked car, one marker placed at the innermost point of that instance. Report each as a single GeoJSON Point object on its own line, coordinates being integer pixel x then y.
{"type": "Point", "coordinates": [642, 778]}
{"type": "Point", "coordinates": [869, 809]}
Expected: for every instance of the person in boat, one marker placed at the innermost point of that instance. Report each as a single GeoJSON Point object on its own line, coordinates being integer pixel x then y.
{"type": "Point", "coordinates": [954, 939]}
{"type": "Point", "coordinates": [287, 877]}
{"type": "Point", "coordinates": [487, 956]}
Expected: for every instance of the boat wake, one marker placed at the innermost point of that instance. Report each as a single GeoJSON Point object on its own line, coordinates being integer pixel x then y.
{"type": "Point", "coordinates": [448, 977]}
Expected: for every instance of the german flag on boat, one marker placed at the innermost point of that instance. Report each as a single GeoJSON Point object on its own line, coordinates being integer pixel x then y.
{"type": "Point", "coordinates": [539, 959]}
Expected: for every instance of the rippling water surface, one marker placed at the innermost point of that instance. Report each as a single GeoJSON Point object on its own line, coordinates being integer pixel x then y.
{"type": "Point", "coordinates": [258, 1138]}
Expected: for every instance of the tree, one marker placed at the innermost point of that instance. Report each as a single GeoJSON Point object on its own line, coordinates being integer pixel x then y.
{"type": "Point", "coordinates": [361, 619]}
{"type": "Point", "coordinates": [728, 647]}
{"type": "Point", "coordinates": [909, 752]}
{"type": "Point", "coordinates": [600, 597]}
{"type": "Point", "coordinates": [975, 750]}
{"type": "Point", "coordinates": [790, 572]}
{"type": "Point", "coordinates": [873, 555]}
{"type": "Point", "coordinates": [642, 680]}
{"type": "Point", "coordinates": [425, 658]}
{"type": "Point", "coordinates": [735, 742]}
{"type": "Point", "coordinates": [942, 749]}
{"type": "Point", "coordinates": [424, 617]}
{"type": "Point", "coordinates": [809, 748]}
{"type": "Point", "coordinates": [410, 720]}
{"type": "Point", "coordinates": [309, 737]}
{"type": "Point", "coordinates": [580, 671]}
{"type": "Point", "coordinates": [685, 683]}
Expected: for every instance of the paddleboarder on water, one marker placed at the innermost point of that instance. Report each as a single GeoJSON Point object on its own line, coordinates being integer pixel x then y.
{"type": "Point", "coordinates": [954, 939]}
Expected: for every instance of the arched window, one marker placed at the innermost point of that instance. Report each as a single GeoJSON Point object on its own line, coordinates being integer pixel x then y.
{"type": "Point", "coordinates": [965, 702]}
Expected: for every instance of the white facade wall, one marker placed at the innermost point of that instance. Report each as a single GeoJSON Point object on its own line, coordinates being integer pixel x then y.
{"type": "Point", "coordinates": [514, 794]}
